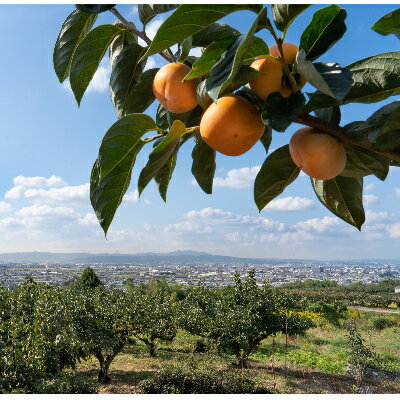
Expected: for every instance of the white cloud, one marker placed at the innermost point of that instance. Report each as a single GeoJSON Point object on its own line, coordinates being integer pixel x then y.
{"type": "Point", "coordinates": [196, 52]}
{"type": "Point", "coordinates": [238, 178]}
{"type": "Point", "coordinates": [131, 197]}
{"type": "Point", "coordinates": [370, 186]}
{"type": "Point", "coordinates": [370, 199]}
{"type": "Point", "coordinates": [187, 226]}
{"type": "Point", "coordinates": [151, 63]}
{"type": "Point", "coordinates": [394, 230]}
{"type": "Point", "coordinates": [44, 210]}
{"type": "Point", "coordinates": [152, 27]}
{"type": "Point", "coordinates": [397, 190]}
{"type": "Point", "coordinates": [79, 193]}
{"type": "Point", "coordinates": [88, 220]}
{"type": "Point", "coordinates": [5, 207]}
{"type": "Point", "coordinates": [320, 225]}
{"type": "Point", "coordinates": [371, 216]}
{"type": "Point", "coordinates": [134, 11]}
{"type": "Point", "coordinates": [290, 204]}
{"type": "Point", "coordinates": [38, 181]}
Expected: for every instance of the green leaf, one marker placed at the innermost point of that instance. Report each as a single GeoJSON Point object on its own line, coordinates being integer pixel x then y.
{"type": "Point", "coordinates": [375, 78]}
{"type": "Point", "coordinates": [74, 28]}
{"type": "Point", "coordinates": [94, 8]}
{"type": "Point", "coordinates": [160, 154]}
{"type": "Point", "coordinates": [88, 55]}
{"type": "Point", "coordinates": [189, 19]}
{"type": "Point", "coordinates": [148, 11]}
{"type": "Point", "coordinates": [277, 172]}
{"type": "Point", "coordinates": [111, 173]}
{"type": "Point", "coordinates": [184, 49]}
{"type": "Point", "coordinates": [343, 197]}
{"type": "Point", "coordinates": [279, 112]}
{"type": "Point", "coordinates": [203, 167]}
{"type": "Point", "coordinates": [225, 70]}
{"type": "Point", "coordinates": [388, 136]}
{"type": "Point", "coordinates": [203, 65]}
{"type": "Point", "coordinates": [285, 14]}
{"type": "Point", "coordinates": [124, 78]}
{"type": "Point", "coordinates": [125, 38]}
{"type": "Point", "coordinates": [329, 78]}
{"type": "Point", "coordinates": [326, 28]}
{"type": "Point", "coordinates": [331, 115]}
{"type": "Point", "coordinates": [162, 118]}
{"type": "Point", "coordinates": [164, 176]}
{"type": "Point", "coordinates": [366, 132]}
{"type": "Point", "coordinates": [389, 23]}
{"type": "Point", "coordinates": [266, 138]}
{"type": "Point", "coordinates": [189, 118]}
{"type": "Point", "coordinates": [257, 49]}
{"type": "Point", "coordinates": [362, 162]}
{"type": "Point", "coordinates": [214, 32]}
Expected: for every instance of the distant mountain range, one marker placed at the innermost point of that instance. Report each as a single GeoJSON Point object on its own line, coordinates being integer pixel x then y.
{"type": "Point", "coordinates": [174, 257]}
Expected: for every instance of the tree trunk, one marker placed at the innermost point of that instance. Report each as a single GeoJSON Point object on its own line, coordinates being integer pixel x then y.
{"type": "Point", "coordinates": [103, 376]}
{"type": "Point", "coordinates": [242, 359]}
{"type": "Point", "coordinates": [152, 348]}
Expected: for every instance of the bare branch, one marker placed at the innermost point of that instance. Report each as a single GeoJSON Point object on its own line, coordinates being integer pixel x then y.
{"type": "Point", "coordinates": [140, 34]}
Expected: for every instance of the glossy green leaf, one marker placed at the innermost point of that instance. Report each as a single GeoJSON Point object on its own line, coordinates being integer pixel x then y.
{"type": "Point", "coordinates": [362, 162]}
{"type": "Point", "coordinates": [203, 98]}
{"type": "Point", "coordinates": [330, 114]}
{"type": "Point", "coordinates": [94, 8]}
{"type": "Point", "coordinates": [190, 118]}
{"type": "Point", "coordinates": [189, 19]}
{"type": "Point", "coordinates": [124, 78]}
{"type": "Point", "coordinates": [343, 197]}
{"type": "Point", "coordinates": [207, 60]}
{"type": "Point", "coordinates": [74, 28]}
{"type": "Point", "coordinates": [184, 49]}
{"type": "Point", "coordinates": [387, 138]}
{"type": "Point", "coordinates": [329, 78]}
{"type": "Point", "coordinates": [214, 32]}
{"type": "Point", "coordinates": [389, 23]}
{"type": "Point", "coordinates": [164, 176]}
{"type": "Point", "coordinates": [225, 70]}
{"type": "Point", "coordinates": [112, 170]}
{"type": "Point", "coordinates": [325, 29]}
{"type": "Point", "coordinates": [258, 48]}
{"type": "Point", "coordinates": [266, 138]}
{"type": "Point", "coordinates": [123, 39]}
{"type": "Point", "coordinates": [160, 154]}
{"type": "Point", "coordinates": [277, 172]}
{"type": "Point", "coordinates": [148, 11]}
{"type": "Point", "coordinates": [285, 14]}
{"type": "Point", "coordinates": [88, 55]}
{"type": "Point", "coordinates": [203, 167]}
{"type": "Point", "coordinates": [162, 118]}
{"type": "Point", "coordinates": [375, 78]}
{"type": "Point", "coordinates": [279, 112]}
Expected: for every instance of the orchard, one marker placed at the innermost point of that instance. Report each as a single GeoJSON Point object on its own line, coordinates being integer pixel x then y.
{"type": "Point", "coordinates": [243, 88]}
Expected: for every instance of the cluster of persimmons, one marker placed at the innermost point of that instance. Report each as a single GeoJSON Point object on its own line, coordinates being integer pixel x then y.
{"type": "Point", "coordinates": [232, 125]}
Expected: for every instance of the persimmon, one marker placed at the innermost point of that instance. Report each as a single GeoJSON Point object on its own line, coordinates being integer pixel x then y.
{"type": "Point", "coordinates": [273, 78]}
{"type": "Point", "coordinates": [231, 125]}
{"type": "Point", "coordinates": [318, 154]}
{"type": "Point", "coordinates": [172, 92]}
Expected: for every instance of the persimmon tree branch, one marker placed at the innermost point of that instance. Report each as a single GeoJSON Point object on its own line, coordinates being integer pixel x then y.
{"type": "Point", "coordinates": [278, 41]}
{"type": "Point", "coordinates": [340, 133]}
{"type": "Point", "coordinates": [140, 34]}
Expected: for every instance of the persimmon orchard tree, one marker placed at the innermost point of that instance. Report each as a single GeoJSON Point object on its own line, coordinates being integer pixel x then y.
{"type": "Point", "coordinates": [237, 92]}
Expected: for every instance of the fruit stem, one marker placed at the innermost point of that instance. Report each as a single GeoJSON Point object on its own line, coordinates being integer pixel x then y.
{"type": "Point", "coordinates": [140, 34]}
{"type": "Point", "coordinates": [278, 41]}
{"type": "Point", "coordinates": [340, 133]}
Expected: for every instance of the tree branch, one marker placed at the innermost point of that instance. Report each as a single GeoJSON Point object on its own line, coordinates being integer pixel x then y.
{"type": "Point", "coordinates": [140, 34]}
{"type": "Point", "coordinates": [292, 81]}
{"type": "Point", "coordinates": [340, 133]}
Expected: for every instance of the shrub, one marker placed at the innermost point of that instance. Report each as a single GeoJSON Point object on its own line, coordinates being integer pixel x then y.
{"type": "Point", "coordinates": [381, 323]}
{"type": "Point", "coordinates": [190, 377]}
{"type": "Point", "coordinates": [66, 384]}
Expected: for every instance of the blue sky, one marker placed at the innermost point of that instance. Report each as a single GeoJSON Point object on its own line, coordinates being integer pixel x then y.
{"type": "Point", "coordinates": [48, 145]}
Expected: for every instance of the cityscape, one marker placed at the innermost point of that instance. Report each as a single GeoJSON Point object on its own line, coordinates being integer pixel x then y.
{"type": "Point", "coordinates": [212, 274]}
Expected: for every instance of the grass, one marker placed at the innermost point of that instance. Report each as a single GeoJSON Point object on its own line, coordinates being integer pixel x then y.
{"type": "Point", "coordinates": [314, 363]}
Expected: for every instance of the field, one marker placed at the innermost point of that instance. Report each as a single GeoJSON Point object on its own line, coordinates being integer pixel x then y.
{"type": "Point", "coordinates": [314, 363]}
